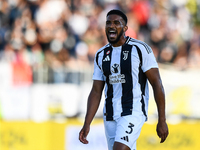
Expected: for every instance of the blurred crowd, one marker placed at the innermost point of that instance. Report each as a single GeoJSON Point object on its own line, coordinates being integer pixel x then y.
{"type": "Point", "coordinates": [49, 41]}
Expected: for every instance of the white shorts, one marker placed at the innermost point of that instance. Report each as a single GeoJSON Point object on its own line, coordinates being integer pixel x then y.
{"type": "Point", "coordinates": [125, 129]}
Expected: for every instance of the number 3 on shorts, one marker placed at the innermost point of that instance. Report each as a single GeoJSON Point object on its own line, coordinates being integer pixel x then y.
{"type": "Point", "coordinates": [131, 128]}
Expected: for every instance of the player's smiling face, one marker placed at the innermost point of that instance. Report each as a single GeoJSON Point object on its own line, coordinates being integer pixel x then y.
{"type": "Point", "coordinates": [114, 28]}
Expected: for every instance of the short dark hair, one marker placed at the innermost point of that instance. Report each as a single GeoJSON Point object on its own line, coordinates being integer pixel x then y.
{"type": "Point", "coordinates": [118, 12]}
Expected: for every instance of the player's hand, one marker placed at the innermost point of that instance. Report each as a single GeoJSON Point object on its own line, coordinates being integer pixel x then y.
{"type": "Point", "coordinates": [162, 130]}
{"type": "Point", "coordinates": [83, 134]}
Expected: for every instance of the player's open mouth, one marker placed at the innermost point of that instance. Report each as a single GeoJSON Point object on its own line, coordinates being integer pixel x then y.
{"type": "Point", "coordinates": [112, 34]}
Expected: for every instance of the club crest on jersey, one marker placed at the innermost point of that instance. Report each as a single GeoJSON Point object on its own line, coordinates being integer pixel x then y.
{"type": "Point", "coordinates": [125, 53]}
{"type": "Point", "coordinates": [115, 68]}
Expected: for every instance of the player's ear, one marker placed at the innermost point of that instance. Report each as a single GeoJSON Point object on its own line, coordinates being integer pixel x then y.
{"type": "Point", "coordinates": [125, 28]}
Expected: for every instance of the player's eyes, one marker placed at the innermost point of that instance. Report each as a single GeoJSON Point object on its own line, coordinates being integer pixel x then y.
{"type": "Point", "coordinates": [108, 22]}
{"type": "Point", "coordinates": [115, 23]}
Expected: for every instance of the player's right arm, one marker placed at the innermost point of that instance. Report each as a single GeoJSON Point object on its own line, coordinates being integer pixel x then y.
{"type": "Point", "coordinates": [92, 106]}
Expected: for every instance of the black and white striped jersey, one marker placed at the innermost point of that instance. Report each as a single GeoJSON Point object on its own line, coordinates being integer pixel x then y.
{"type": "Point", "coordinates": [122, 68]}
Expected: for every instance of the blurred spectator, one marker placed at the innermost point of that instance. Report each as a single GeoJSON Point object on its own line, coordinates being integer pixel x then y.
{"type": "Point", "coordinates": [54, 41]}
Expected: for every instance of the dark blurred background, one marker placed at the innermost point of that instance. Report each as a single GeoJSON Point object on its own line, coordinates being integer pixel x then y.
{"type": "Point", "coordinates": [48, 41]}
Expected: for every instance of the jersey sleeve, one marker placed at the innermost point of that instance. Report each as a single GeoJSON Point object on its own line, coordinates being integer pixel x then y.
{"type": "Point", "coordinates": [97, 74]}
{"type": "Point", "coordinates": [148, 59]}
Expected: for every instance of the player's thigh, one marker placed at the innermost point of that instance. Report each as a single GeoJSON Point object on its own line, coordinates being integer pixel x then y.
{"type": "Point", "coordinates": [128, 130]}
{"type": "Point", "coordinates": [120, 146]}
{"type": "Point", "coordinates": [110, 131]}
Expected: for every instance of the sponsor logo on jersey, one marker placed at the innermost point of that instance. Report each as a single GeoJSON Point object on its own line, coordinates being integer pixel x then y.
{"type": "Point", "coordinates": [117, 79]}
{"type": "Point", "coordinates": [115, 68]}
{"type": "Point", "coordinates": [107, 58]}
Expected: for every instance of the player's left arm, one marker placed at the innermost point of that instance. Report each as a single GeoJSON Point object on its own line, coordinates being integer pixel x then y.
{"type": "Point", "coordinates": [154, 78]}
